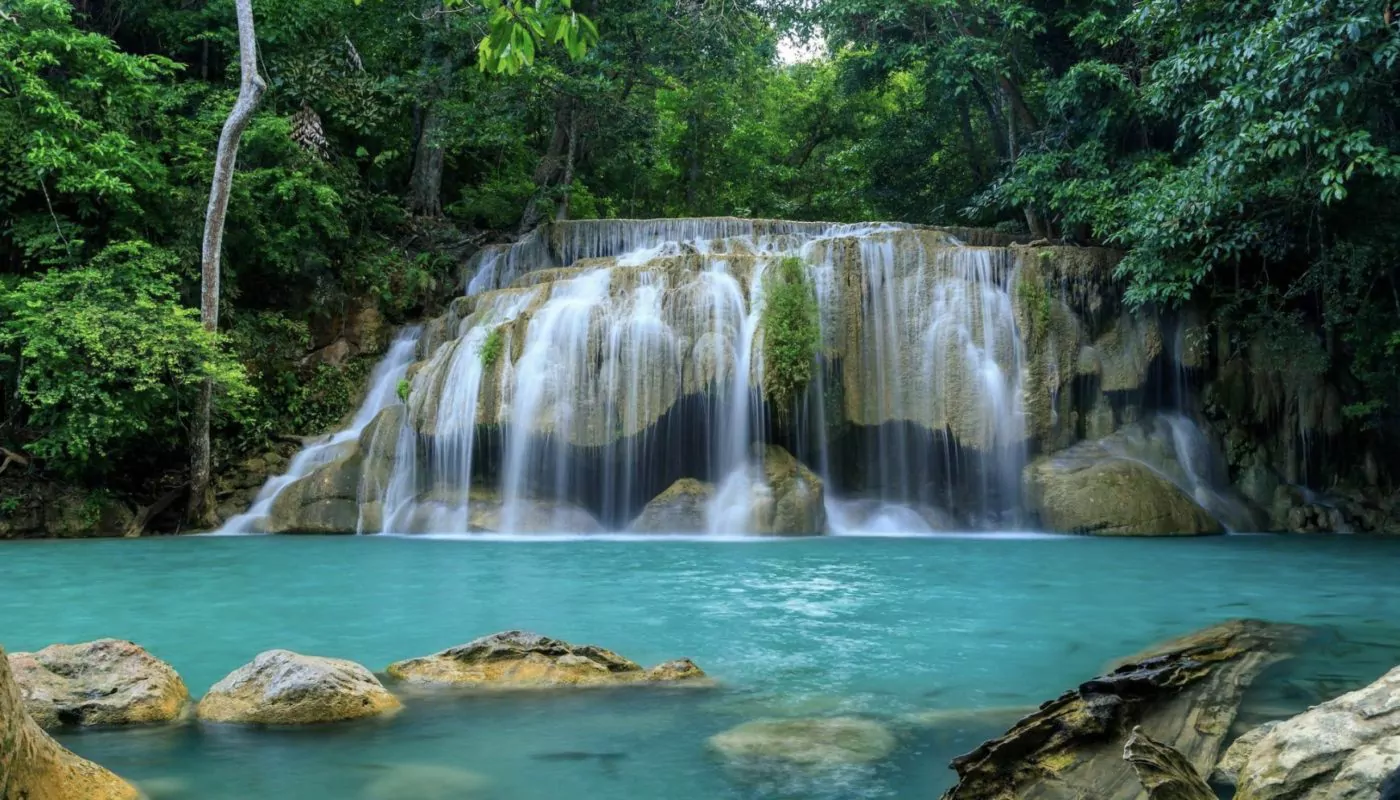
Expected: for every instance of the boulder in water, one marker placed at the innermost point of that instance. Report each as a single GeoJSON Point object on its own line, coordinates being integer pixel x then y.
{"type": "Point", "coordinates": [1089, 493]}
{"type": "Point", "coordinates": [820, 743]}
{"type": "Point", "coordinates": [794, 500]}
{"type": "Point", "coordinates": [1184, 693]}
{"type": "Point", "coordinates": [35, 767]}
{"type": "Point", "coordinates": [1349, 743]}
{"type": "Point", "coordinates": [521, 660]}
{"type": "Point", "coordinates": [106, 682]}
{"type": "Point", "coordinates": [280, 687]}
{"type": "Point", "coordinates": [682, 508]}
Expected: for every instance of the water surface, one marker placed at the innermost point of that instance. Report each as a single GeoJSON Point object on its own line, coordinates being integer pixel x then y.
{"type": "Point", "coordinates": [879, 627]}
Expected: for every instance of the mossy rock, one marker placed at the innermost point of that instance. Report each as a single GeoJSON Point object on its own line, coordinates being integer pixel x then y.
{"type": "Point", "coordinates": [682, 508]}
{"type": "Point", "coordinates": [1112, 497]}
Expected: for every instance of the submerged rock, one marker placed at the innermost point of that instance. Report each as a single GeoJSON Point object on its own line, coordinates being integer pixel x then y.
{"type": "Point", "coordinates": [807, 743]}
{"type": "Point", "coordinates": [106, 682]}
{"type": "Point", "coordinates": [35, 767]}
{"type": "Point", "coordinates": [1183, 693]}
{"type": "Point", "coordinates": [1088, 493]}
{"type": "Point", "coordinates": [280, 687]}
{"type": "Point", "coordinates": [1341, 748]}
{"type": "Point", "coordinates": [682, 508]}
{"type": "Point", "coordinates": [425, 782]}
{"type": "Point", "coordinates": [521, 660]}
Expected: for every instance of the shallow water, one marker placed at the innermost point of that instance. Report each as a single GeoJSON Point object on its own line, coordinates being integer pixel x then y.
{"type": "Point", "coordinates": [884, 627]}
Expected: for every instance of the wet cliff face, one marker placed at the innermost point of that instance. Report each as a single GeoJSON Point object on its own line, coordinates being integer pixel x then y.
{"type": "Point", "coordinates": [596, 363]}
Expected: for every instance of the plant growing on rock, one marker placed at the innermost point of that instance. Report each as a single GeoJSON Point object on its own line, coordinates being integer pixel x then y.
{"type": "Point", "coordinates": [491, 348]}
{"type": "Point", "coordinates": [403, 389]}
{"type": "Point", "coordinates": [791, 332]}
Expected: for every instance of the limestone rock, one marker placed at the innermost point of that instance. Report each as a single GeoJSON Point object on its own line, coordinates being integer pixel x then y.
{"type": "Point", "coordinates": [35, 767]}
{"type": "Point", "coordinates": [680, 509]}
{"type": "Point", "coordinates": [280, 687]}
{"type": "Point", "coordinates": [521, 660]}
{"type": "Point", "coordinates": [1367, 770]}
{"type": "Point", "coordinates": [1227, 772]}
{"type": "Point", "coordinates": [796, 500]}
{"type": "Point", "coordinates": [820, 743]}
{"type": "Point", "coordinates": [1303, 758]}
{"type": "Point", "coordinates": [1183, 693]}
{"type": "Point", "coordinates": [106, 682]}
{"type": "Point", "coordinates": [1164, 773]}
{"type": "Point", "coordinates": [1111, 497]}
{"type": "Point", "coordinates": [325, 501]}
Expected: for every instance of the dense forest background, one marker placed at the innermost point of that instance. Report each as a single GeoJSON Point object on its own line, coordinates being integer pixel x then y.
{"type": "Point", "coordinates": [1245, 153]}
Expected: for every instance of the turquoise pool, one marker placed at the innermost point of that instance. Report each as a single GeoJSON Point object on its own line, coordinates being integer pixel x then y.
{"type": "Point", "coordinates": [878, 627]}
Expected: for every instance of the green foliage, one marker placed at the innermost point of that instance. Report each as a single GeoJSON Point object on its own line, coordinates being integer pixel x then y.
{"type": "Point", "coordinates": [491, 347]}
{"type": "Point", "coordinates": [791, 332]}
{"type": "Point", "coordinates": [108, 358]}
{"type": "Point", "coordinates": [517, 27]}
{"type": "Point", "coordinates": [404, 389]}
{"type": "Point", "coordinates": [293, 396]}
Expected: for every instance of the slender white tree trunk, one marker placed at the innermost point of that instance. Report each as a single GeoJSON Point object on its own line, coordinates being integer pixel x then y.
{"type": "Point", "coordinates": [250, 90]}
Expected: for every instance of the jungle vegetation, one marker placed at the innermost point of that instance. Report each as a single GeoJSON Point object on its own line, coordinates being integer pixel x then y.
{"type": "Point", "coordinates": [1245, 154]}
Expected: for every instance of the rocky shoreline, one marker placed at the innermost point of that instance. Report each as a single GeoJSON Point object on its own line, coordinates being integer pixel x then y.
{"type": "Point", "coordinates": [1162, 724]}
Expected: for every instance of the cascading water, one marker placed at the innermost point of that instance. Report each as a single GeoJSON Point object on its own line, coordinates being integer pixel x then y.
{"type": "Point", "coordinates": [383, 392]}
{"type": "Point", "coordinates": [597, 367]}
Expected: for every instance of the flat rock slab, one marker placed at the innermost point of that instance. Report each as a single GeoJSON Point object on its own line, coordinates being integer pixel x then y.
{"type": "Point", "coordinates": [280, 687]}
{"type": "Point", "coordinates": [522, 660]}
{"type": "Point", "coordinates": [1183, 694]}
{"type": "Point", "coordinates": [106, 682]}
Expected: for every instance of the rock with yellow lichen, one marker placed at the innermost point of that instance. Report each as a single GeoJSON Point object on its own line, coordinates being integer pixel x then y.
{"type": "Point", "coordinates": [522, 660]}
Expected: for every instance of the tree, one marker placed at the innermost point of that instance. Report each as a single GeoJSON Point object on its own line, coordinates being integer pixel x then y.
{"type": "Point", "coordinates": [250, 90]}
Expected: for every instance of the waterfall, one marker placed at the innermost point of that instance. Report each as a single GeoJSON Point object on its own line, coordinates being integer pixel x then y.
{"type": "Point", "coordinates": [382, 393]}
{"type": "Point", "coordinates": [593, 365]}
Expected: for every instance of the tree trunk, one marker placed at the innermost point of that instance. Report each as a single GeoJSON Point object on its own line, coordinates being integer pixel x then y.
{"type": "Point", "coordinates": [425, 189]}
{"type": "Point", "coordinates": [35, 767]}
{"type": "Point", "coordinates": [429, 155]}
{"type": "Point", "coordinates": [568, 180]}
{"type": "Point", "coordinates": [551, 165]}
{"type": "Point", "coordinates": [250, 90]}
{"type": "Point", "coordinates": [994, 122]}
{"type": "Point", "coordinates": [974, 156]}
{"type": "Point", "coordinates": [693, 169]}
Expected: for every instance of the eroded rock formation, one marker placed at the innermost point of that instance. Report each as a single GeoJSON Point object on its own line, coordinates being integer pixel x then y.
{"type": "Point", "coordinates": [1184, 694]}
{"type": "Point", "coordinates": [521, 660]}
